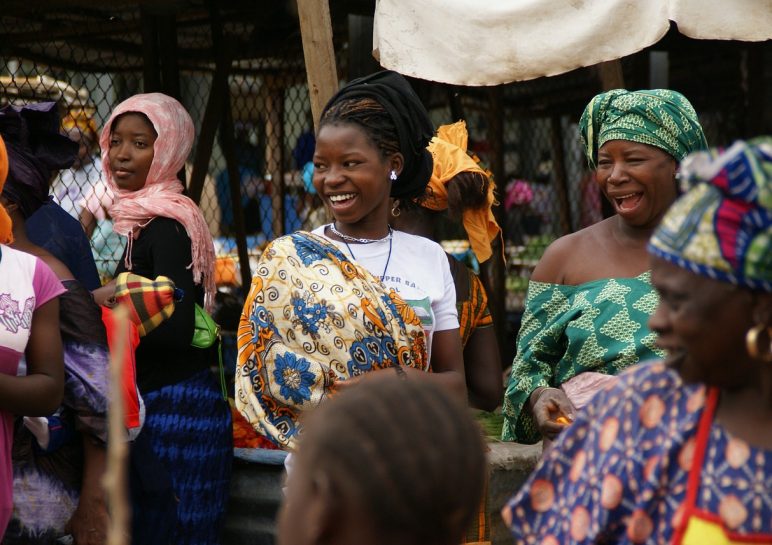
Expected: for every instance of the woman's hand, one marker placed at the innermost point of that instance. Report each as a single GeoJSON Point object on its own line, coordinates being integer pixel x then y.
{"type": "Point", "coordinates": [88, 525]}
{"type": "Point", "coordinates": [105, 296]}
{"type": "Point", "coordinates": [89, 522]}
{"type": "Point", "coordinates": [547, 405]}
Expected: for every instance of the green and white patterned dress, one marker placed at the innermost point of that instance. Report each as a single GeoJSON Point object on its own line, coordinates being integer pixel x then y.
{"type": "Point", "coordinates": [598, 326]}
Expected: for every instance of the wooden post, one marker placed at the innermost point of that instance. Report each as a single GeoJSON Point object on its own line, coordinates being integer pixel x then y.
{"type": "Point", "coordinates": [223, 53]}
{"type": "Point", "coordinates": [494, 272]}
{"type": "Point", "coordinates": [274, 134]}
{"type": "Point", "coordinates": [234, 177]}
{"type": "Point", "coordinates": [170, 66]}
{"type": "Point", "coordinates": [611, 75]}
{"type": "Point", "coordinates": [360, 46]}
{"type": "Point", "coordinates": [754, 90]}
{"type": "Point", "coordinates": [151, 75]}
{"type": "Point", "coordinates": [559, 169]}
{"type": "Point", "coordinates": [319, 53]}
{"type": "Point", "coordinates": [218, 94]}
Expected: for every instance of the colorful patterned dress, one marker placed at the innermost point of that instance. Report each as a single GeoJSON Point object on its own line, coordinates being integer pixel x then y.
{"type": "Point", "coordinates": [619, 473]}
{"type": "Point", "coordinates": [313, 317]}
{"type": "Point", "coordinates": [598, 326]}
{"type": "Point", "coordinates": [473, 312]}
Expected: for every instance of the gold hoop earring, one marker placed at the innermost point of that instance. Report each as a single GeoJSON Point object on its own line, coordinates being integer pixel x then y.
{"type": "Point", "coordinates": [752, 343]}
{"type": "Point", "coordinates": [395, 211]}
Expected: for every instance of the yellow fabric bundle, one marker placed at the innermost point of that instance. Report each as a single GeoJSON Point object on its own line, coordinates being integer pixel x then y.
{"type": "Point", "coordinates": [448, 150]}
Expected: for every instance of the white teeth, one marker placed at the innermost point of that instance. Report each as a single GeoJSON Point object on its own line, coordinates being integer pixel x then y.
{"type": "Point", "coordinates": [627, 196]}
{"type": "Point", "coordinates": [339, 198]}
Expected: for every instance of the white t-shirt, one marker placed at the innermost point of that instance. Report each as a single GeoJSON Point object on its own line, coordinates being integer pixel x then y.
{"type": "Point", "coordinates": [417, 269]}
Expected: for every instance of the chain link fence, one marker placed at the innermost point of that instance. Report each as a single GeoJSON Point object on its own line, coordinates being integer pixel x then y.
{"type": "Point", "coordinates": [526, 133]}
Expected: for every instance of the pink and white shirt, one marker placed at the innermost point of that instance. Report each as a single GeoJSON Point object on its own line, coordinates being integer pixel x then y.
{"type": "Point", "coordinates": [26, 283]}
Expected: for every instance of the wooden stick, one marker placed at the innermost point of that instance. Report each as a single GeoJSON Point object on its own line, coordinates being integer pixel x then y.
{"type": "Point", "coordinates": [610, 75]}
{"type": "Point", "coordinates": [118, 532]}
{"type": "Point", "coordinates": [319, 53]}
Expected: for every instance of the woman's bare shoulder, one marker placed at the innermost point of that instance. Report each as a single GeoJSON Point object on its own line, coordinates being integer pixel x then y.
{"type": "Point", "coordinates": [567, 252]}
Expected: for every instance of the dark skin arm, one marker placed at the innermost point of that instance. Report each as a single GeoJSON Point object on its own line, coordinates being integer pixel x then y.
{"type": "Point", "coordinates": [88, 524]}
{"type": "Point", "coordinates": [546, 404]}
{"type": "Point", "coordinates": [447, 363]}
{"type": "Point", "coordinates": [483, 369]}
{"type": "Point", "coordinates": [447, 366]}
{"type": "Point", "coordinates": [40, 392]}
{"type": "Point", "coordinates": [88, 221]}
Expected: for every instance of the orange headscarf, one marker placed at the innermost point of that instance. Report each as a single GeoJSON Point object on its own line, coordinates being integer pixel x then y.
{"type": "Point", "coordinates": [448, 150]}
{"type": "Point", "coordinates": [6, 226]}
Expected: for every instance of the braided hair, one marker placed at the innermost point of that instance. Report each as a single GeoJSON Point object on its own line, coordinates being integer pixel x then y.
{"type": "Point", "coordinates": [368, 114]}
{"type": "Point", "coordinates": [404, 450]}
{"type": "Point", "coordinates": [392, 115]}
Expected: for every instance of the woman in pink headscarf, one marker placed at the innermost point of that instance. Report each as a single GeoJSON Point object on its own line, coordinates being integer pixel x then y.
{"type": "Point", "coordinates": [187, 428]}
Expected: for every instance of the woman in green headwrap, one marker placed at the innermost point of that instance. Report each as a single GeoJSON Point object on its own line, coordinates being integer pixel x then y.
{"type": "Point", "coordinates": [590, 296]}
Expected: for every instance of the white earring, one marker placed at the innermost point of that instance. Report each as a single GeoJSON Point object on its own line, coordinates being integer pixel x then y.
{"type": "Point", "coordinates": [393, 175]}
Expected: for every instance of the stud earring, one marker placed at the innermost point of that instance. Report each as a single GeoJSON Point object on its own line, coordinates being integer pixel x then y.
{"type": "Point", "coordinates": [393, 175]}
{"type": "Point", "coordinates": [759, 350]}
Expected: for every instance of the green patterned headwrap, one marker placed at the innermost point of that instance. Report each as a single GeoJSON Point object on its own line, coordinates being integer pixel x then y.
{"type": "Point", "coordinates": [657, 117]}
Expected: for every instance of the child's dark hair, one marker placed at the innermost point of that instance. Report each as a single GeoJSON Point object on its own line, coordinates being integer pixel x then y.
{"type": "Point", "coordinates": [467, 191]}
{"type": "Point", "coordinates": [373, 118]}
{"type": "Point", "coordinates": [405, 449]}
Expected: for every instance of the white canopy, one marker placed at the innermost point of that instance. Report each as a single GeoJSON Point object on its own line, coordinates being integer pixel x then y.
{"type": "Point", "coordinates": [488, 42]}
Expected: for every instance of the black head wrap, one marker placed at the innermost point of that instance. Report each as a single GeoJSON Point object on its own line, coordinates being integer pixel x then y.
{"type": "Point", "coordinates": [36, 150]}
{"type": "Point", "coordinates": [414, 129]}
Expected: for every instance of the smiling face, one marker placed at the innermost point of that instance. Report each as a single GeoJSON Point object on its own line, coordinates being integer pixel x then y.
{"type": "Point", "coordinates": [131, 150]}
{"type": "Point", "coordinates": [352, 178]}
{"type": "Point", "coordinates": [638, 180]}
{"type": "Point", "coordinates": [702, 324]}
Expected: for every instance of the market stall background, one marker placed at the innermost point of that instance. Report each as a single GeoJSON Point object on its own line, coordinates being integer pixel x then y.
{"type": "Point", "coordinates": [238, 66]}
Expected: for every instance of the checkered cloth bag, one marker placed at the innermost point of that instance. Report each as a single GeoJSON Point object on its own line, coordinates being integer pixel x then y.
{"type": "Point", "coordinates": [150, 302]}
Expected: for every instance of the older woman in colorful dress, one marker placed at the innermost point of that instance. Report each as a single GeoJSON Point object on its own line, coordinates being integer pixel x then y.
{"type": "Point", "coordinates": [680, 451]}
{"type": "Point", "coordinates": [590, 295]}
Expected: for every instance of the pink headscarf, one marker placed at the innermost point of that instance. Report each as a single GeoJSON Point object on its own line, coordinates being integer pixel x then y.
{"type": "Point", "coordinates": [162, 193]}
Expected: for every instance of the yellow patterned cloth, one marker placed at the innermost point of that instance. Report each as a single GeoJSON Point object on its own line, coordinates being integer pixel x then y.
{"type": "Point", "coordinates": [473, 312]}
{"type": "Point", "coordinates": [312, 318]}
{"type": "Point", "coordinates": [658, 117]}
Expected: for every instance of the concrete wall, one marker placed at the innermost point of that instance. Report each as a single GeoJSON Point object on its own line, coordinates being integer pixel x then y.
{"type": "Point", "coordinates": [256, 493]}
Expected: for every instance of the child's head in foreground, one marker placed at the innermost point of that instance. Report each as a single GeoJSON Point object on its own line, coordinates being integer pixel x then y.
{"type": "Point", "coordinates": [388, 461]}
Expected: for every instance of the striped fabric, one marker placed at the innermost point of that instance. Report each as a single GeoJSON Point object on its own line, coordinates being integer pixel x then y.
{"type": "Point", "coordinates": [150, 302]}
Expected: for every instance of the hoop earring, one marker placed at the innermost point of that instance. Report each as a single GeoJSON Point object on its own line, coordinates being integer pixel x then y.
{"type": "Point", "coordinates": [393, 175]}
{"type": "Point", "coordinates": [395, 211]}
{"type": "Point", "coordinates": [752, 343]}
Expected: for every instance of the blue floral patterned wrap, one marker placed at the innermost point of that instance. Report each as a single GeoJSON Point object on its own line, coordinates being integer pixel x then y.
{"type": "Point", "coordinates": [313, 318]}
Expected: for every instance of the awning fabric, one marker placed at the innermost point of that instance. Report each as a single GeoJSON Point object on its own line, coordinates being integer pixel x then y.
{"type": "Point", "coordinates": [488, 42]}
